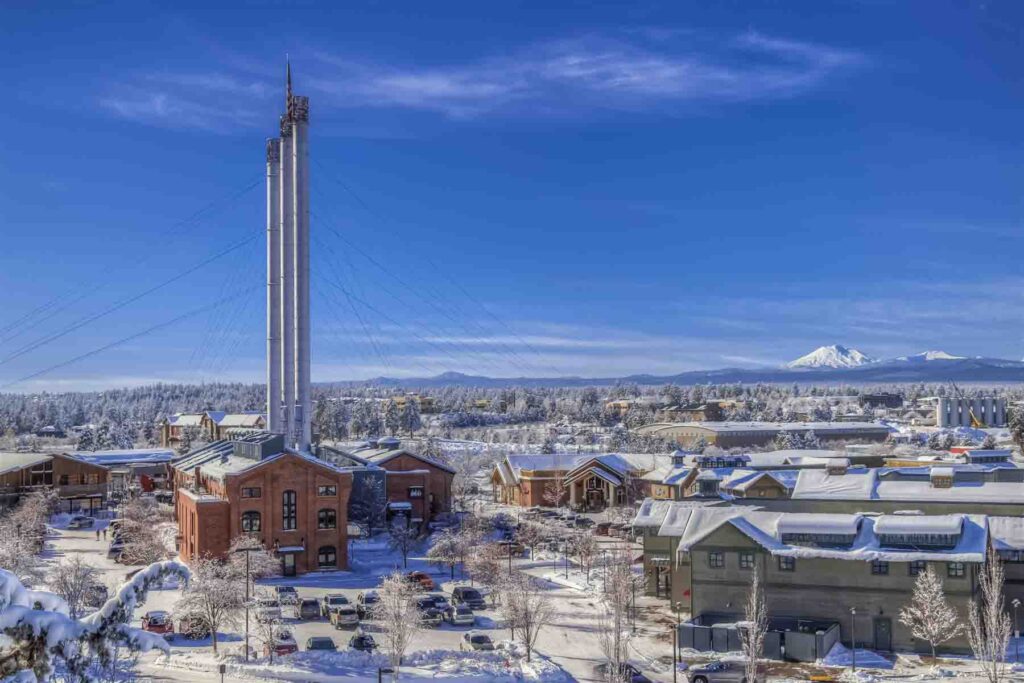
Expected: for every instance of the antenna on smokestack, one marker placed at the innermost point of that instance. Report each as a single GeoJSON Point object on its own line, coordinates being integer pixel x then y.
{"type": "Point", "coordinates": [288, 80]}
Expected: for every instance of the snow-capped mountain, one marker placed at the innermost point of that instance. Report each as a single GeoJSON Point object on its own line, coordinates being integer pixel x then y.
{"type": "Point", "coordinates": [926, 356]}
{"type": "Point", "coordinates": [834, 356]}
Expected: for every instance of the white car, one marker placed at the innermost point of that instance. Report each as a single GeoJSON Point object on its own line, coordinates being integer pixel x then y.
{"type": "Point", "coordinates": [461, 615]}
{"type": "Point", "coordinates": [267, 609]}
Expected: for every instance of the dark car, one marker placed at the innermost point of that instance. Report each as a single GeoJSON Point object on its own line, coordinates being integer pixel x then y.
{"type": "Point", "coordinates": [308, 608]}
{"type": "Point", "coordinates": [287, 595]}
{"type": "Point", "coordinates": [321, 643]}
{"type": "Point", "coordinates": [627, 673]}
{"type": "Point", "coordinates": [476, 641]}
{"type": "Point", "coordinates": [362, 642]}
{"type": "Point", "coordinates": [469, 596]}
{"type": "Point", "coordinates": [430, 616]}
{"type": "Point", "coordinates": [365, 602]}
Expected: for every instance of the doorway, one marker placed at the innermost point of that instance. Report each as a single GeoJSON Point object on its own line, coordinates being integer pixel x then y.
{"type": "Point", "coordinates": [883, 634]}
{"type": "Point", "coordinates": [288, 564]}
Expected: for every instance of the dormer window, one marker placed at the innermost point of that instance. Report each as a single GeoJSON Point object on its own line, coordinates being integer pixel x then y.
{"type": "Point", "coordinates": [918, 531]}
{"type": "Point", "coordinates": [819, 530]}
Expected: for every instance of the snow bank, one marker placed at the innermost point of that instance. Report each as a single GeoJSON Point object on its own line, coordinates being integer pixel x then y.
{"type": "Point", "coordinates": [840, 655]}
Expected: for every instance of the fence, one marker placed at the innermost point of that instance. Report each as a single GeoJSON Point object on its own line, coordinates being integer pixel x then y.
{"type": "Point", "coordinates": [788, 638]}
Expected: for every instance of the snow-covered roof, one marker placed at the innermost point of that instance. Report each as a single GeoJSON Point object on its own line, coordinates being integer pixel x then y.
{"type": "Point", "coordinates": [252, 420]}
{"type": "Point", "coordinates": [801, 427]}
{"type": "Point", "coordinates": [651, 513]}
{"type": "Point", "coordinates": [12, 462]}
{"type": "Point", "coordinates": [858, 484]}
{"type": "Point", "coordinates": [810, 523]}
{"type": "Point", "coordinates": [186, 419]}
{"type": "Point", "coordinates": [702, 521]}
{"type": "Point", "coordinates": [676, 475]}
{"type": "Point", "coordinates": [763, 528]}
{"type": "Point", "coordinates": [819, 484]}
{"type": "Point", "coordinates": [379, 456]}
{"type": "Point", "coordinates": [1007, 532]}
{"type": "Point", "coordinates": [708, 475]}
{"type": "Point", "coordinates": [946, 525]}
{"type": "Point", "coordinates": [941, 472]}
{"type": "Point", "coordinates": [129, 456]}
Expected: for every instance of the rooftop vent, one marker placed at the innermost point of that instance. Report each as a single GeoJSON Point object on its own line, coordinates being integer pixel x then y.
{"type": "Point", "coordinates": [941, 477]}
{"type": "Point", "coordinates": [837, 466]}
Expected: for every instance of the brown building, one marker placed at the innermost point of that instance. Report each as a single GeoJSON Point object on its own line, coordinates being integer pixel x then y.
{"type": "Point", "coordinates": [212, 425]}
{"type": "Point", "coordinates": [747, 434]}
{"type": "Point", "coordinates": [81, 486]}
{"type": "Point", "coordinates": [416, 484]}
{"type": "Point", "coordinates": [296, 505]}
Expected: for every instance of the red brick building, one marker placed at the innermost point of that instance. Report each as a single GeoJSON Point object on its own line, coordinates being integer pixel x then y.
{"type": "Point", "coordinates": [295, 504]}
{"type": "Point", "coordinates": [415, 483]}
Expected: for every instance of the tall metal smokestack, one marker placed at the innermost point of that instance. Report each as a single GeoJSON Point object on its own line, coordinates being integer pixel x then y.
{"type": "Point", "coordinates": [287, 210]}
{"type": "Point", "coordinates": [274, 367]}
{"type": "Point", "coordinates": [299, 114]}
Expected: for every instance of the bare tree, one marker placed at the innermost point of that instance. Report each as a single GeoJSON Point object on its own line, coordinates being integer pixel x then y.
{"type": "Point", "coordinates": [527, 607]}
{"type": "Point", "coordinates": [215, 596]}
{"type": "Point", "coordinates": [554, 489]}
{"type": "Point", "coordinates": [368, 509]}
{"type": "Point", "coordinates": [268, 628]}
{"type": "Point", "coordinates": [929, 615]}
{"type": "Point", "coordinates": [447, 550]}
{"type": "Point", "coordinates": [463, 483]}
{"type": "Point", "coordinates": [530, 534]}
{"type": "Point", "coordinates": [988, 626]}
{"type": "Point", "coordinates": [398, 616]}
{"type": "Point", "coordinates": [485, 568]}
{"type": "Point", "coordinates": [613, 624]}
{"type": "Point", "coordinates": [74, 580]}
{"type": "Point", "coordinates": [403, 536]}
{"type": "Point", "coordinates": [261, 562]}
{"type": "Point", "coordinates": [141, 525]}
{"type": "Point", "coordinates": [584, 546]}
{"type": "Point", "coordinates": [755, 626]}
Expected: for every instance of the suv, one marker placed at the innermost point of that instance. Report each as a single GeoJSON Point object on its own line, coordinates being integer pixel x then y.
{"type": "Point", "coordinates": [307, 608]}
{"type": "Point", "coordinates": [286, 595]}
{"type": "Point", "coordinates": [81, 522]}
{"type": "Point", "coordinates": [422, 580]}
{"type": "Point", "coordinates": [344, 616]}
{"type": "Point", "coordinates": [267, 609]}
{"type": "Point", "coordinates": [363, 642]}
{"type": "Point", "coordinates": [158, 621]}
{"type": "Point", "coordinates": [365, 602]}
{"type": "Point", "coordinates": [460, 615]}
{"type": "Point", "coordinates": [469, 596]}
{"type": "Point", "coordinates": [627, 673]}
{"type": "Point", "coordinates": [331, 602]}
{"type": "Point", "coordinates": [284, 643]}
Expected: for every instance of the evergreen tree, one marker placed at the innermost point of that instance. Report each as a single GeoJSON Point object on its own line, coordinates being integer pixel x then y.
{"type": "Point", "coordinates": [86, 440]}
{"type": "Point", "coordinates": [410, 419]}
{"type": "Point", "coordinates": [392, 418]}
{"type": "Point", "coordinates": [104, 438]}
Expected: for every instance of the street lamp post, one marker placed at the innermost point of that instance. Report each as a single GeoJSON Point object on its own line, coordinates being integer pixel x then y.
{"type": "Point", "coordinates": [675, 646]}
{"type": "Point", "coordinates": [565, 551]}
{"type": "Point", "coordinates": [1016, 631]}
{"type": "Point", "coordinates": [248, 580]}
{"type": "Point", "coordinates": [632, 586]}
{"type": "Point", "coordinates": [853, 638]}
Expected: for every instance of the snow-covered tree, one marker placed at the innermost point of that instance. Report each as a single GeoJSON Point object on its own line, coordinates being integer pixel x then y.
{"type": "Point", "coordinates": [988, 625]}
{"type": "Point", "coordinates": [40, 633]}
{"type": "Point", "coordinates": [929, 615]}
{"type": "Point", "coordinates": [215, 596]}
{"type": "Point", "coordinates": [1015, 422]}
{"type": "Point", "coordinates": [410, 420]}
{"type": "Point", "coordinates": [754, 627]}
{"type": "Point", "coordinates": [811, 441]}
{"type": "Point", "coordinates": [368, 505]}
{"type": "Point", "coordinates": [989, 442]}
{"type": "Point", "coordinates": [398, 616]}
{"type": "Point", "coordinates": [268, 628]}
{"type": "Point", "coordinates": [86, 440]}
{"type": "Point", "coordinates": [392, 418]}
{"type": "Point", "coordinates": [75, 581]}
{"type": "Point", "coordinates": [935, 441]}
{"type": "Point", "coordinates": [402, 536]}
{"type": "Point", "coordinates": [143, 524]}
{"type": "Point", "coordinates": [485, 567]}
{"type": "Point", "coordinates": [261, 562]}
{"type": "Point", "coordinates": [446, 550]}
{"type": "Point", "coordinates": [527, 607]}
{"type": "Point", "coordinates": [583, 545]}
{"type": "Point", "coordinates": [613, 623]}
{"type": "Point", "coordinates": [530, 535]}
{"type": "Point", "coordinates": [785, 441]}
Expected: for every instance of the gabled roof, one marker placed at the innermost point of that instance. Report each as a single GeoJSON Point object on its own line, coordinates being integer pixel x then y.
{"type": "Point", "coordinates": [379, 456]}
{"type": "Point", "coordinates": [186, 420]}
{"type": "Point", "coordinates": [12, 462]}
{"type": "Point", "coordinates": [251, 420]}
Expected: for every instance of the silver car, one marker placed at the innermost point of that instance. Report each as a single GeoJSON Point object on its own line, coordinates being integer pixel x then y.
{"type": "Point", "coordinates": [721, 672]}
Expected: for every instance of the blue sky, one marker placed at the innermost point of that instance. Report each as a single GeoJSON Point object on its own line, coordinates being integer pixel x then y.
{"type": "Point", "coordinates": [513, 188]}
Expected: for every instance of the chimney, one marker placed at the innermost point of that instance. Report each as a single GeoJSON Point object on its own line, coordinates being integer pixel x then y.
{"type": "Point", "coordinates": [837, 466]}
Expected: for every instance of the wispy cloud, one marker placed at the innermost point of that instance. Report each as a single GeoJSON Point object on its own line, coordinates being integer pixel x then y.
{"type": "Point", "coordinates": [632, 70]}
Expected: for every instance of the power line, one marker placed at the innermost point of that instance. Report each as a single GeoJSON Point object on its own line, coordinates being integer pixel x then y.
{"type": "Point", "coordinates": [131, 337]}
{"type": "Point", "coordinates": [121, 304]}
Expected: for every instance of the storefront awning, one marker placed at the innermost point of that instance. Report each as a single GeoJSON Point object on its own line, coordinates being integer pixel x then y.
{"type": "Point", "coordinates": [291, 549]}
{"type": "Point", "coordinates": [400, 505]}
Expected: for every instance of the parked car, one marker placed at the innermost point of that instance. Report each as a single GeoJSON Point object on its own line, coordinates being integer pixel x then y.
{"type": "Point", "coordinates": [584, 522]}
{"type": "Point", "coordinates": [344, 616]}
{"type": "Point", "coordinates": [284, 644]}
{"type": "Point", "coordinates": [627, 673]}
{"type": "Point", "coordinates": [158, 621]}
{"type": "Point", "coordinates": [363, 642]}
{"type": "Point", "coordinates": [430, 616]}
{"type": "Point", "coordinates": [331, 602]}
{"type": "Point", "coordinates": [115, 550]}
{"type": "Point", "coordinates": [81, 522]}
{"type": "Point", "coordinates": [602, 528]}
{"type": "Point", "coordinates": [719, 672]}
{"type": "Point", "coordinates": [421, 579]}
{"type": "Point", "coordinates": [365, 602]}
{"type": "Point", "coordinates": [460, 615]}
{"type": "Point", "coordinates": [470, 596]}
{"type": "Point", "coordinates": [307, 608]}
{"type": "Point", "coordinates": [440, 601]}
{"type": "Point", "coordinates": [267, 609]}
{"type": "Point", "coordinates": [474, 640]}
{"type": "Point", "coordinates": [322, 643]}
{"type": "Point", "coordinates": [287, 595]}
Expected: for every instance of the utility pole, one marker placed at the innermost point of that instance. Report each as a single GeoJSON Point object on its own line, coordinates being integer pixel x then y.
{"type": "Point", "coordinates": [853, 638]}
{"type": "Point", "coordinates": [248, 552]}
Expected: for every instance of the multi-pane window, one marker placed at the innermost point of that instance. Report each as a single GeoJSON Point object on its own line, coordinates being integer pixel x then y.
{"type": "Point", "coordinates": [330, 490]}
{"type": "Point", "coordinates": [327, 556]}
{"type": "Point", "coordinates": [289, 511]}
{"type": "Point", "coordinates": [251, 492]}
{"type": "Point", "coordinates": [716, 560]}
{"type": "Point", "coordinates": [415, 492]}
{"type": "Point", "coordinates": [956, 570]}
{"type": "Point", "coordinates": [326, 519]}
{"type": "Point", "coordinates": [879, 567]}
{"type": "Point", "coordinates": [916, 567]}
{"type": "Point", "coordinates": [746, 559]}
{"type": "Point", "coordinates": [787, 564]}
{"type": "Point", "coordinates": [250, 521]}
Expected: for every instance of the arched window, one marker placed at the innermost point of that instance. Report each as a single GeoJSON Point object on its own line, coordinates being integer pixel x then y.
{"type": "Point", "coordinates": [250, 521]}
{"type": "Point", "coordinates": [327, 519]}
{"type": "Point", "coordinates": [327, 556]}
{"type": "Point", "coordinates": [289, 511]}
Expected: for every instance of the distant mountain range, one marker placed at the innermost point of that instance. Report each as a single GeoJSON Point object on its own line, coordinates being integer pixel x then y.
{"type": "Point", "coordinates": [827, 364]}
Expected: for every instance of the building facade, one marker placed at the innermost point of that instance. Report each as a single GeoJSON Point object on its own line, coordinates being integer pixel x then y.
{"type": "Point", "coordinates": [81, 486]}
{"type": "Point", "coordinates": [751, 434]}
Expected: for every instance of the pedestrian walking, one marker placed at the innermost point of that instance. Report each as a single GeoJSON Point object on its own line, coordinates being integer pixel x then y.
{"type": "Point", "coordinates": [97, 534]}
{"type": "Point", "coordinates": [104, 533]}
